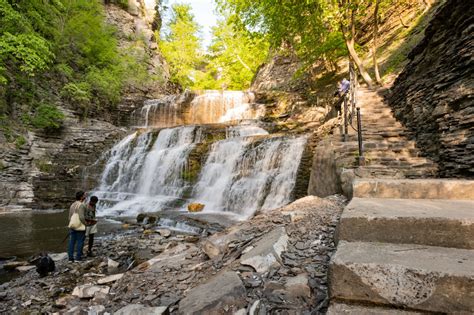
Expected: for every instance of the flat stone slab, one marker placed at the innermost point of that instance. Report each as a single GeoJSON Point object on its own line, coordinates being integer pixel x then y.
{"type": "Point", "coordinates": [138, 309]}
{"type": "Point", "coordinates": [414, 188]}
{"type": "Point", "coordinates": [111, 278]}
{"type": "Point", "coordinates": [345, 309]}
{"type": "Point", "coordinates": [224, 291]}
{"type": "Point", "coordinates": [435, 222]}
{"type": "Point", "coordinates": [418, 277]}
{"type": "Point", "coordinates": [267, 250]}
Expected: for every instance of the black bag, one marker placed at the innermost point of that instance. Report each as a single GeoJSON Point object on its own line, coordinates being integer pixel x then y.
{"type": "Point", "coordinates": [45, 265]}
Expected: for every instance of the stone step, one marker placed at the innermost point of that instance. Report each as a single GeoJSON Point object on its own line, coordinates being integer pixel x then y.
{"type": "Point", "coordinates": [418, 277]}
{"type": "Point", "coordinates": [445, 223]}
{"type": "Point", "coordinates": [414, 188]}
{"type": "Point", "coordinates": [342, 309]}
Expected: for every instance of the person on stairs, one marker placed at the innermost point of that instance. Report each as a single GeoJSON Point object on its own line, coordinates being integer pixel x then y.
{"type": "Point", "coordinates": [343, 88]}
{"type": "Point", "coordinates": [77, 227]}
{"type": "Point", "coordinates": [91, 223]}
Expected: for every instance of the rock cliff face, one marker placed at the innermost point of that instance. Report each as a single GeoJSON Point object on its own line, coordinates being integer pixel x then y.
{"type": "Point", "coordinates": [434, 96]}
{"type": "Point", "coordinates": [47, 170]}
{"type": "Point", "coordinates": [135, 33]}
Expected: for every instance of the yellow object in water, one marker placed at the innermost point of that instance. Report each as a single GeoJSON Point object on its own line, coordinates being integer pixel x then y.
{"type": "Point", "coordinates": [195, 207]}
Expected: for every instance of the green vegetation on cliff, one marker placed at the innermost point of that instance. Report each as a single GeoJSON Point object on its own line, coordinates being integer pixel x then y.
{"type": "Point", "coordinates": [60, 51]}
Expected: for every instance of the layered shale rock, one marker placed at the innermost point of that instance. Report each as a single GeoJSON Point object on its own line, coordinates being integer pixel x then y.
{"type": "Point", "coordinates": [434, 94]}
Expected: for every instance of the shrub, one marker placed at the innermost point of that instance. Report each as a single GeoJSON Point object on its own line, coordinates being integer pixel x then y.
{"type": "Point", "coordinates": [77, 92]}
{"type": "Point", "coordinates": [48, 117]}
{"type": "Point", "coordinates": [20, 141]}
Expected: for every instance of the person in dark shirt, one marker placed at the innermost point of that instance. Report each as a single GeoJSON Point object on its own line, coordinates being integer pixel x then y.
{"type": "Point", "coordinates": [91, 223]}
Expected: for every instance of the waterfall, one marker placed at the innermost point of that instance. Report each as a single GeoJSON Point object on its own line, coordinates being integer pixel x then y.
{"type": "Point", "coordinates": [209, 107]}
{"type": "Point", "coordinates": [242, 177]}
{"type": "Point", "coordinates": [142, 176]}
{"type": "Point", "coordinates": [239, 168]}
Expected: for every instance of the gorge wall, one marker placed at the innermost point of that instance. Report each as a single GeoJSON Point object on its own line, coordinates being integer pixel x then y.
{"type": "Point", "coordinates": [46, 169]}
{"type": "Point", "coordinates": [434, 96]}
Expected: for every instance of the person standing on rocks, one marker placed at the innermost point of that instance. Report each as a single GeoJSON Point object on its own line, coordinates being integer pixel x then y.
{"type": "Point", "coordinates": [91, 223]}
{"type": "Point", "coordinates": [77, 227]}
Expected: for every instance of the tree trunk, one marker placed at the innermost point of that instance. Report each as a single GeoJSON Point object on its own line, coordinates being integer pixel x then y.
{"type": "Point", "coordinates": [349, 38]}
{"type": "Point", "coordinates": [376, 33]}
{"type": "Point", "coordinates": [358, 62]}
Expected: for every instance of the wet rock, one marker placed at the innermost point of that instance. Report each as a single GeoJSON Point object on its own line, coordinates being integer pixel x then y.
{"type": "Point", "coordinates": [12, 265]}
{"type": "Point", "coordinates": [141, 217]}
{"type": "Point", "coordinates": [139, 309]}
{"type": "Point", "coordinates": [267, 250]}
{"type": "Point", "coordinates": [87, 291]}
{"type": "Point", "coordinates": [195, 207]}
{"type": "Point", "coordinates": [111, 278]}
{"type": "Point", "coordinates": [151, 219]}
{"type": "Point", "coordinates": [224, 291]}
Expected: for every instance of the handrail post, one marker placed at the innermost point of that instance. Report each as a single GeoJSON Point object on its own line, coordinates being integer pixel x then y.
{"type": "Point", "coordinates": [346, 122]}
{"type": "Point", "coordinates": [359, 137]}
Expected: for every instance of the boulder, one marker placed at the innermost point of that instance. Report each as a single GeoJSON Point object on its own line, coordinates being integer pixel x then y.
{"type": "Point", "coordinates": [88, 291]}
{"type": "Point", "coordinates": [223, 292]}
{"type": "Point", "coordinates": [267, 250]}
{"type": "Point", "coordinates": [139, 309]}
{"type": "Point", "coordinates": [111, 278]}
{"type": "Point", "coordinates": [195, 207]}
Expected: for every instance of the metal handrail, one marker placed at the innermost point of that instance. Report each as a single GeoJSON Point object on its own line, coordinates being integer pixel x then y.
{"type": "Point", "coordinates": [350, 111]}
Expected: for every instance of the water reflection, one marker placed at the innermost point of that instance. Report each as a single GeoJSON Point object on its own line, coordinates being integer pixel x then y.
{"type": "Point", "coordinates": [28, 233]}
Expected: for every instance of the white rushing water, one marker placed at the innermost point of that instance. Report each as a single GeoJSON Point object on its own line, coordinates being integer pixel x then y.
{"type": "Point", "coordinates": [206, 108]}
{"type": "Point", "coordinates": [249, 170]}
{"type": "Point", "coordinates": [242, 176]}
{"type": "Point", "coordinates": [141, 176]}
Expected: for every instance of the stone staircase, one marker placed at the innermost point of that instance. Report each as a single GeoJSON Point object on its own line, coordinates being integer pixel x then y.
{"type": "Point", "coordinates": [388, 150]}
{"type": "Point", "coordinates": [405, 246]}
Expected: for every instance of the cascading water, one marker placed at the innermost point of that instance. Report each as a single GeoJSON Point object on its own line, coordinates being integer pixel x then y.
{"type": "Point", "coordinates": [147, 177]}
{"type": "Point", "coordinates": [245, 171]}
{"type": "Point", "coordinates": [242, 176]}
{"type": "Point", "coordinates": [206, 108]}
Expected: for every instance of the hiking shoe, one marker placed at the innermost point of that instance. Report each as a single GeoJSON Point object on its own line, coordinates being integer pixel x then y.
{"type": "Point", "coordinates": [90, 254]}
{"type": "Point", "coordinates": [70, 261]}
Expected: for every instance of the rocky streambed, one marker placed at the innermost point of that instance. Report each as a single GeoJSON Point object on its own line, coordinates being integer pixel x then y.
{"type": "Point", "coordinates": [274, 263]}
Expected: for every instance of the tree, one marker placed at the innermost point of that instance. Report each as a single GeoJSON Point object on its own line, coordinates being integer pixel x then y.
{"type": "Point", "coordinates": [374, 50]}
{"type": "Point", "coordinates": [234, 56]}
{"type": "Point", "coordinates": [181, 45]}
{"type": "Point", "coordinates": [316, 29]}
{"type": "Point", "coordinates": [348, 12]}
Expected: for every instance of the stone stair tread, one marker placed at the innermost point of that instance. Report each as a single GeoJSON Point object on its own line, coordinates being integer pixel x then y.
{"type": "Point", "coordinates": [436, 222]}
{"type": "Point", "coordinates": [341, 308]}
{"type": "Point", "coordinates": [414, 188]}
{"type": "Point", "coordinates": [411, 276]}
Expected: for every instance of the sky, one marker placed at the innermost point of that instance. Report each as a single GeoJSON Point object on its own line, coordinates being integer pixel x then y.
{"type": "Point", "coordinates": [205, 16]}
